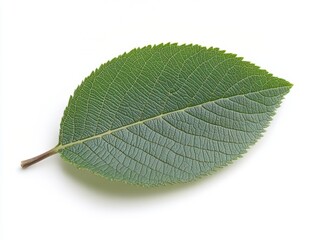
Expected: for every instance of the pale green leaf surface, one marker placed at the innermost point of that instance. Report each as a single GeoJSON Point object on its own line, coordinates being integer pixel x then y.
{"type": "Point", "coordinates": [168, 113]}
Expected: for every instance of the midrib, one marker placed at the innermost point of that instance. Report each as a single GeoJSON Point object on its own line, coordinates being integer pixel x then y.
{"type": "Point", "coordinates": [61, 147]}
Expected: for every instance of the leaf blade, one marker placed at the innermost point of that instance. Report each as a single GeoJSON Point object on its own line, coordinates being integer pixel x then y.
{"type": "Point", "coordinates": [153, 126]}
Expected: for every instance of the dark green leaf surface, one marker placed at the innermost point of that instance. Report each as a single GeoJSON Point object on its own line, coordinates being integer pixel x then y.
{"type": "Point", "coordinates": [167, 113]}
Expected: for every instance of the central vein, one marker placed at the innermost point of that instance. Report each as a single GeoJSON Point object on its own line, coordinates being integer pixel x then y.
{"type": "Point", "coordinates": [61, 146]}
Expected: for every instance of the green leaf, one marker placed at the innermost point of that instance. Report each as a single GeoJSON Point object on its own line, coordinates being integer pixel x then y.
{"type": "Point", "coordinates": [167, 114]}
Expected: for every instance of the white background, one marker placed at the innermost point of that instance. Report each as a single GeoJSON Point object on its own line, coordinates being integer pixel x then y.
{"type": "Point", "coordinates": [48, 47]}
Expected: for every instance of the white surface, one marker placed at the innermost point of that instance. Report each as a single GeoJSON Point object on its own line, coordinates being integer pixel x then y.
{"type": "Point", "coordinates": [48, 47]}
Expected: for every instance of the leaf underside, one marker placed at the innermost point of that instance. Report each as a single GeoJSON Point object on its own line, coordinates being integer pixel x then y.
{"type": "Point", "coordinates": [168, 113]}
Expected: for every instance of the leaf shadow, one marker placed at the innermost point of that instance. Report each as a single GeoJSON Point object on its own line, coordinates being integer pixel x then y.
{"type": "Point", "coordinates": [118, 189]}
